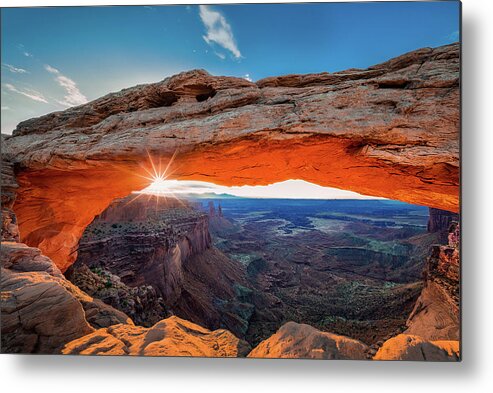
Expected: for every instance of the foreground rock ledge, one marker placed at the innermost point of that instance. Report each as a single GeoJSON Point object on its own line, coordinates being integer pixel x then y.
{"type": "Point", "coordinates": [300, 341]}
{"type": "Point", "coordinates": [170, 337]}
{"type": "Point", "coordinates": [42, 312]}
{"type": "Point", "coordinates": [391, 130]}
{"type": "Point", "coordinates": [409, 347]}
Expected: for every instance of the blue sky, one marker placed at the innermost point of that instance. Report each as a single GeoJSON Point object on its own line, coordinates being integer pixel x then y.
{"type": "Point", "coordinates": [53, 58]}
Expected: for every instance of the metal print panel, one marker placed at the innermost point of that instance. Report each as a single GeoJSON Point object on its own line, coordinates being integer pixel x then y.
{"type": "Point", "coordinates": [261, 181]}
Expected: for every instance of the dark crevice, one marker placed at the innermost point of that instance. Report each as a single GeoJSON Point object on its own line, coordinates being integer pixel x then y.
{"type": "Point", "coordinates": [393, 84]}
{"type": "Point", "coordinates": [164, 99]}
{"type": "Point", "coordinates": [206, 95]}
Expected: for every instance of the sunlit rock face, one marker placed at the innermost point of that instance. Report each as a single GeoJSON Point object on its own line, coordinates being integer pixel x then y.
{"type": "Point", "coordinates": [391, 130]}
{"type": "Point", "coordinates": [295, 340]}
{"type": "Point", "coordinates": [408, 347]}
{"type": "Point", "coordinates": [170, 337]}
{"type": "Point", "coordinates": [436, 315]}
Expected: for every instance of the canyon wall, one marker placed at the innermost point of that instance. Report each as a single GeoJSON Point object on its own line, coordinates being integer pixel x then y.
{"type": "Point", "coordinates": [143, 245]}
{"type": "Point", "coordinates": [439, 222]}
{"type": "Point", "coordinates": [391, 130]}
{"type": "Point", "coordinates": [147, 241]}
{"type": "Point", "coordinates": [436, 315]}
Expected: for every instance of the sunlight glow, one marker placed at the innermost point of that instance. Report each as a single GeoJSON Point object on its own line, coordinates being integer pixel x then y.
{"type": "Point", "coordinates": [162, 186]}
{"type": "Point", "coordinates": [289, 189]}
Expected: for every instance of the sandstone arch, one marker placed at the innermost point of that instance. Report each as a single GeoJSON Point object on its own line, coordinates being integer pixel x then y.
{"type": "Point", "coordinates": [391, 130]}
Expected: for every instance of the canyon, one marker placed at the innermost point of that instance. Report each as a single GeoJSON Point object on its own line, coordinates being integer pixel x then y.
{"type": "Point", "coordinates": [160, 247]}
{"type": "Point", "coordinates": [391, 130]}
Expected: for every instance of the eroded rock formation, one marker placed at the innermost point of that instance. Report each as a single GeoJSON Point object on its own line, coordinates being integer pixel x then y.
{"type": "Point", "coordinates": [151, 257]}
{"type": "Point", "coordinates": [294, 340]}
{"type": "Point", "coordinates": [391, 130]}
{"type": "Point", "coordinates": [436, 315]}
{"type": "Point", "coordinates": [409, 347]}
{"type": "Point", "coordinates": [38, 313]}
{"type": "Point", "coordinates": [10, 230]}
{"type": "Point", "coordinates": [142, 303]}
{"type": "Point", "coordinates": [169, 337]}
{"type": "Point", "coordinates": [42, 312]}
{"type": "Point", "coordinates": [439, 222]}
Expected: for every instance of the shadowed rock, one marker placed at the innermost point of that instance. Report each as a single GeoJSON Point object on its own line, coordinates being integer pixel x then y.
{"type": "Point", "coordinates": [436, 313]}
{"type": "Point", "coordinates": [38, 313]}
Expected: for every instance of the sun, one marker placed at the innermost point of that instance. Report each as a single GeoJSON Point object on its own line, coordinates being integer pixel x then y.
{"type": "Point", "coordinates": [159, 185]}
{"type": "Point", "coordinates": [158, 175]}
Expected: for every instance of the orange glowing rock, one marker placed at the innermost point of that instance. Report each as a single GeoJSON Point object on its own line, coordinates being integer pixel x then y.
{"type": "Point", "coordinates": [409, 347]}
{"type": "Point", "coordinates": [391, 130]}
{"type": "Point", "coordinates": [170, 337]}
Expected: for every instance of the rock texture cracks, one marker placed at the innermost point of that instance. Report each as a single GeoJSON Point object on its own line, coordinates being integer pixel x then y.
{"type": "Point", "coordinates": [391, 130]}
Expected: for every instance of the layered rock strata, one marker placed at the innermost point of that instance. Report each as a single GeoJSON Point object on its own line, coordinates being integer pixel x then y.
{"type": "Point", "coordinates": [151, 257]}
{"type": "Point", "coordinates": [391, 130]}
{"type": "Point", "coordinates": [42, 312]}
{"type": "Point", "coordinates": [436, 315]}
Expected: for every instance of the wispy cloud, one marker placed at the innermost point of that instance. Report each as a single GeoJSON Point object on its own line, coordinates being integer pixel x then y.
{"type": "Point", "coordinates": [222, 56]}
{"type": "Point", "coordinates": [24, 51]}
{"type": "Point", "coordinates": [29, 93]}
{"type": "Point", "coordinates": [15, 70]}
{"type": "Point", "coordinates": [5, 108]}
{"type": "Point", "coordinates": [218, 30]}
{"type": "Point", "coordinates": [74, 96]}
{"type": "Point", "coordinates": [454, 36]}
{"type": "Point", "coordinates": [51, 69]}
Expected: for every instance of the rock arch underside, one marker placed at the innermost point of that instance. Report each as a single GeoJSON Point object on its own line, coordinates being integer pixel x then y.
{"type": "Point", "coordinates": [391, 130]}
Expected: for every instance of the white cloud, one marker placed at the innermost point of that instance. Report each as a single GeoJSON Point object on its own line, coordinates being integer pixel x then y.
{"type": "Point", "coordinates": [5, 108]}
{"type": "Point", "coordinates": [22, 48]}
{"type": "Point", "coordinates": [32, 94]}
{"type": "Point", "coordinates": [291, 189]}
{"type": "Point", "coordinates": [454, 36]}
{"type": "Point", "coordinates": [218, 30]}
{"type": "Point", "coordinates": [51, 69]}
{"type": "Point", "coordinates": [222, 56]}
{"type": "Point", "coordinates": [15, 70]}
{"type": "Point", "coordinates": [74, 97]}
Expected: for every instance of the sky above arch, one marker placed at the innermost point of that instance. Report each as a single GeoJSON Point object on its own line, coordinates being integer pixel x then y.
{"type": "Point", "coordinates": [57, 57]}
